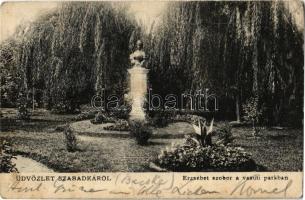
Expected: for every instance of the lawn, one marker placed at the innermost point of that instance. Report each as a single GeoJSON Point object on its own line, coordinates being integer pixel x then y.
{"type": "Point", "coordinates": [276, 150]}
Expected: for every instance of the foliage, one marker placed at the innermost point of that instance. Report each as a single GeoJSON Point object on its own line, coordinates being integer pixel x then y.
{"type": "Point", "coordinates": [122, 112]}
{"type": "Point", "coordinates": [70, 139]}
{"type": "Point", "coordinates": [23, 113]}
{"type": "Point", "coordinates": [63, 107]}
{"type": "Point", "coordinates": [120, 125]}
{"type": "Point", "coordinates": [103, 117]}
{"type": "Point", "coordinates": [160, 118]}
{"type": "Point", "coordinates": [190, 156]}
{"type": "Point", "coordinates": [85, 115]}
{"type": "Point", "coordinates": [251, 110]}
{"type": "Point", "coordinates": [238, 49]}
{"type": "Point", "coordinates": [70, 53]}
{"type": "Point", "coordinates": [141, 131]}
{"type": "Point", "coordinates": [22, 110]}
{"type": "Point", "coordinates": [287, 147]}
{"type": "Point", "coordinates": [112, 116]}
{"type": "Point", "coordinates": [6, 157]}
{"type": "Point", "coordinates": [225, 135]}
{"type": "Point", "coordinates": [252, 113]}
{"type": "Point", "coordinates": [10, 78]}
{"type": "Point", "coordinates": [191, 118]}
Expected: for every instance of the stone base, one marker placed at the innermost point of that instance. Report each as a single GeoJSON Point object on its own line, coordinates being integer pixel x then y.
{"type": "Point", "coordinates": [138, 91]}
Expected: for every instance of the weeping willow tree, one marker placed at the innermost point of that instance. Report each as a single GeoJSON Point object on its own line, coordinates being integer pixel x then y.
{"type": "Point", "coordinates": [270, 60]}
{"type": "Point", "coordinates": [70, 54]}
{"type": "Point", "coordinates": [241, 50]}
{"type": "Point", "coordinates": [9, 75]}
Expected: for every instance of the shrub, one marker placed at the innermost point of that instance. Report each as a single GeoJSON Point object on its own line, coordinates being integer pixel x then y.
{"type": "Point", "coordinates": [252, 113]}
{"type": "Point", "coordinates": [59, 108]}
{"type": "Point", "coordinates": [23, 113]}
{"type": "Point", "coordinates": [120, 125]}
{"type": "Point", "coordinates": [85, 115]}
{"type": "Point", "coordinates": [161, 118]}
{"type": "Point", "coordinates": [65, 106]}
{"type": "Point", "coordinates": [103, 117]}
{"type": "Point", "coordinates": [6, 164]}
{"type": "Point", "coordinates": [70, 139]}
{"type": "Point", "coordinates": [141, 131]}
{"type": "Point", "coordinates": [188, 118]}
{"type": "Point", "coordinates": [122, 112]}
{"type": "Point", "coordinates": [190, 156]}
{"type": "Point", "coordinates": [22, 109]}
{"type": "Point", "coordinates": [225, 135]}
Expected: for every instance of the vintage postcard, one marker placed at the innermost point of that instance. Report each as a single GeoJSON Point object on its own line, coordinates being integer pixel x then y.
{"type": "Point", "coordinates": [151, 99]}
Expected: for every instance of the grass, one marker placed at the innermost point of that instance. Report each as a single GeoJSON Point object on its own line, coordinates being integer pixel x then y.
{"type": "Point", "coordinates": [37, 139]}
{"type": "Point", "coordinates": [94, 154]}
{"type": "Point", "coordinates": [276, 150]}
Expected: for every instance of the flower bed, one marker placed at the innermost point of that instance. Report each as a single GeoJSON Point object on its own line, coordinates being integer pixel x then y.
{"type": "Point", "coordinates": [191, 156]}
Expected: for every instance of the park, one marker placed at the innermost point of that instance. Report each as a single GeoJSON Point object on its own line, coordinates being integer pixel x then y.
{"type": "Point", "coordinates": [199, 87]}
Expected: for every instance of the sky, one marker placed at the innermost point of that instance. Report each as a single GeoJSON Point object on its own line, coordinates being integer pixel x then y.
{"type": "Point", "coordinates": [13, 14]}
{"type": "Point", "coordinates": [296, 7]}
{"type": "Point", "coordinates": [148, 12]}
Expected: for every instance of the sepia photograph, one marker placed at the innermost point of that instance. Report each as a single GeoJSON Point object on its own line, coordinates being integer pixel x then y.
{"type": "Point", "coordinates": [144, 86]}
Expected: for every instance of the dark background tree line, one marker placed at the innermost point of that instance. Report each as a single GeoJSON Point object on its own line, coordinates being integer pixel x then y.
{"type": "Point", "coordinates": [67, 56]}
{"type": "Point", "coordinates": [241, 50]}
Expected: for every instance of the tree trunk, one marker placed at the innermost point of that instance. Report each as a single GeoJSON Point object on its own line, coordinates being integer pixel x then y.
{"type": "Point", "coordinates": [237, 112]}
{"type": "Point", "coordinates": [255, 50]}
{"type": "Point", "coordinates": [254, 129]}
{"type": "Point", "coordinates": [33, 99]}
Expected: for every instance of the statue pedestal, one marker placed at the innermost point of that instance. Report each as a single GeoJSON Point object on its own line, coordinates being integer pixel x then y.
{"type": "Point", "coordinates": [138, 91]}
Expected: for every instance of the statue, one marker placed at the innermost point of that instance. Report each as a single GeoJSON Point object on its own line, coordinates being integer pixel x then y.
{"type": "Point", "coordinates": [137, 83]}
{"type": "Point", "coordinates": [137, 58]}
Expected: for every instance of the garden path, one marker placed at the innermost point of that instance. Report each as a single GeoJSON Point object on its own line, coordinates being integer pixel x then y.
{"type": "Point", "coordinates": [25, 165]}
